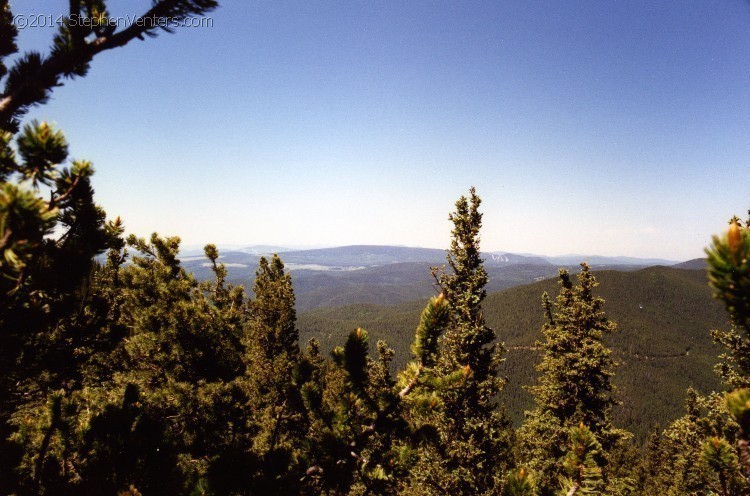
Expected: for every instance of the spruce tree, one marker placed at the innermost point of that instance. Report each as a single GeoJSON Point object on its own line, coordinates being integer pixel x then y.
{"type": "Point", "coordinates": [440, 428]}
{"type": "Point", "coordinates": [472, 452]}
{"type": "Point", "coordinates": [271, 432]}
{"type": "Point", "coordinates": [574, 384]}
{"type": "Point", "coordinates": [653, 479]}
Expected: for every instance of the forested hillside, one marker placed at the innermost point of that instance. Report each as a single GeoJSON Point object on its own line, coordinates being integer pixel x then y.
{"type": "Point", "coordinates": [662, 343]}
{"type": "Point", "coordinates": [395, 283]}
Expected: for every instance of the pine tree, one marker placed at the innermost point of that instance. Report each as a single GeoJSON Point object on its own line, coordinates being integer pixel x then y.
{"type": "Point", "coordinates": [157, 393]}
{"type": "Point", "coordinates": [738, 404]}
{"type": "Point", "coordinates": [584, 475]}
{"type": "Point", "coordinates": [262, 458]}
{"type": "Point", "coordinates": [574, 384]}
{"type": "Point", "coordinates": [728, 275]}
{"type": "Point", "coordinates": [721, 458]}
{"type": "Point", "coordinates": [687, 464]}
{"type": "Point", "coordinates": [519, 483]}
{"type": "Point", "coordinates": [653, 479]}
{"type": "Point", "coordinates": [370, 440]}
{"type": "Point", "coordinates": [473, 449]}
{"type": "Point", "coordinates": [695, 449]}
{"type": "Point", "coordinates": [33, 76]}
{"type": "Point", "coordinates": [51, 321]}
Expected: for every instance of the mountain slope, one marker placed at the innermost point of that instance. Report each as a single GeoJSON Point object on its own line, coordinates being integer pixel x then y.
{"type": "Point", "coordinates": [694, 264]}
{"type": "Point", "coordinates": [394, 283]}
{"type": "Point", "coordinates": [664, 316]}
{"type": "Point", "coordinates": [376, 274]}
{"type": "Point", "coordinates": [372, 274]}
{"type": "Point", "coordinates": [598, 260]}
{"type": "Point", "coordinates": [363, 255]}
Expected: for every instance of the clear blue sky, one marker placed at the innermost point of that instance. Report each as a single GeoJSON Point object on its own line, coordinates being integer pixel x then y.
{"type": "Point", "coordinates": [602, 126]}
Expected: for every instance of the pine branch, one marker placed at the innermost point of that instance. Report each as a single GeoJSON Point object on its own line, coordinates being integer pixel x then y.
{"type": "Point", "coordinates": [6, 238]}
{"type": "Point", "coordinates": [412, 383]}
{"type": "Point", "coordinates": [744, 448]}
{"type": "Point", "coordinates": [47, 75]}
{"type": "Point", "coordinates": [55, 413]}
{"type": "Point", "coordinates": [277, 427]}
{"type": "Point", "coordinates": [59, 199]}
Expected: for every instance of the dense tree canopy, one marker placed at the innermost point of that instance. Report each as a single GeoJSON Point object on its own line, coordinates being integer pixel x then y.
{"type": "Point", "coordinates": [123, 374]}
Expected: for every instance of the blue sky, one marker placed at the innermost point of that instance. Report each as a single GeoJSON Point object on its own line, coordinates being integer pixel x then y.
{"type": "Point", "coordinates": [608, 127]}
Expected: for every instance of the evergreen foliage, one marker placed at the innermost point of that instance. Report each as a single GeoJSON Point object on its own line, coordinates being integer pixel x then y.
{"type": "Point", "coordinates": [728, 274]}
{"type": "Point", "coordinates": [721, 458]}
{"type": "Point", "coordinates": [664, 339]}
{"type": "Point", "coordinates": [125, 375]}
{"type": "Point", "coordinates": [707, 449]}
{"type": "Point", "coordinates": [55, 327]}
{"type": "Point", "coordinates": [474, 448]}
{"type": "Point", "coordinates": [519, 483]}
{"type": "Point", "coordinates": [574, 385]}
{"type": "Point", "coordinates": [583, 474]}
{"type": "Point", "coordinates": [738, 404]}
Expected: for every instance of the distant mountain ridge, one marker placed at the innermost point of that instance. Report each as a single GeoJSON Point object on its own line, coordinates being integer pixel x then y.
{"type": "Point", "coordinates": [370, 255]}
{"type": "Point", "coordinates": [263, 249]}
{"type": "Point", "coordinates": [696, 263]}
{"type": "Point", "coordinates": [362, 255]}
{"type": "Point", "coordinates": [599, 260]}
{"type": "Point", "coordinates": [387, 275]}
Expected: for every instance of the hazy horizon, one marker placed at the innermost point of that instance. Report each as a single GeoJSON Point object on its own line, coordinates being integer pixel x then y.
{"type": "Point", "coordinates": [198, 247]}
{"type": "Point", "coordinates": [600, 127]}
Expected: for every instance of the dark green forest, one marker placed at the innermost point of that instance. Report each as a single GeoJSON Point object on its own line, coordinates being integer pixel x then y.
{"type": "Point", "coordinates": [123, 374]}
{"type": "Point", "coordinates": [662, 317]}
